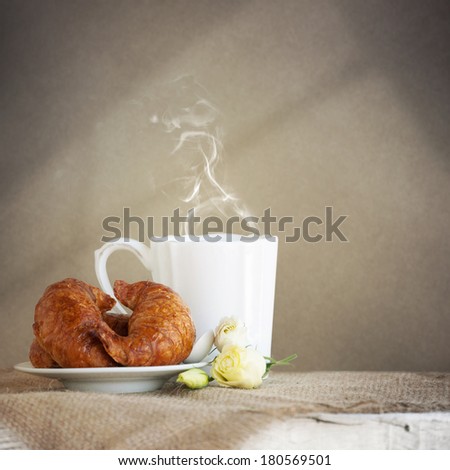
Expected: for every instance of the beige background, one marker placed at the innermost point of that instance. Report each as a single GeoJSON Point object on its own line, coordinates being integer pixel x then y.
{"type": "Point", "coordinates": [322, 103]}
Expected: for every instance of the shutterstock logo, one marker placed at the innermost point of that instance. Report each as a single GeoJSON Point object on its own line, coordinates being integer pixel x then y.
{"type": "Point", "coordinates": [311, 229]}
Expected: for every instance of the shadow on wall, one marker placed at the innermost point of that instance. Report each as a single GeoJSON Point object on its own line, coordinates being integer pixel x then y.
{"type": "Point", "coordinates": [417, 65]}
{"type": "Point", "coordinates": [408, 42]}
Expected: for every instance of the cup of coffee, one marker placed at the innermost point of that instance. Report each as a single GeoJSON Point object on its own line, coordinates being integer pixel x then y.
{"type": "Point", "coordinates": [218, 276]}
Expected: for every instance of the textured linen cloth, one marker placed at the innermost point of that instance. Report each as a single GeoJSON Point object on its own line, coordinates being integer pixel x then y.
{"type": "Point", "coordinates": [38, 413]}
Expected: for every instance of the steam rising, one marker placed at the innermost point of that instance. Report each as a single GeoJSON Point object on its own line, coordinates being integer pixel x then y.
{"type": "Point", "coordinates": [193, 121]}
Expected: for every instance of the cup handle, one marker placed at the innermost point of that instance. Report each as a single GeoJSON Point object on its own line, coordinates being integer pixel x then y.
{"type": "Point", "coordinates": [141, 251]}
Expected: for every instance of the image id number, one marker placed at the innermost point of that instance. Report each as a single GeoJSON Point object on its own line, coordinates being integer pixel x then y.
{"type": "Point", "coordinates": [303, 459]}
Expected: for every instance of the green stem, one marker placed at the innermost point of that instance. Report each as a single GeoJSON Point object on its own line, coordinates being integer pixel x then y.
{"type": "Point", "coordinates": [282, 362]}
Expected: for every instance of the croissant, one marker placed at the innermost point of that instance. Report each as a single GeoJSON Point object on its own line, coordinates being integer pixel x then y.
{"type": "Point", "coordinates": [65, 320]}
{"type": "Point", "coordinates": [39, 357]}
{"type": "Point", "coordinates": [160, 329]}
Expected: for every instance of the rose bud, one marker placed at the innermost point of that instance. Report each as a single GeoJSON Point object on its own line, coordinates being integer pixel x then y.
{"type": "Point", "coordinates": [194, 378]}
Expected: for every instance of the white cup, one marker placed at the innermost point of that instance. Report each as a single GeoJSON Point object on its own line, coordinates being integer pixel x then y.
{"type": "Point", "coordinates": [231, 276]}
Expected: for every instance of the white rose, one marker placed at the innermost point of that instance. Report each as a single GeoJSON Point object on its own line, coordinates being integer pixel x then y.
{"type": "Point", "coordinates": [231, 330]}
{"type": "Point", "coordinates": [238, 367]}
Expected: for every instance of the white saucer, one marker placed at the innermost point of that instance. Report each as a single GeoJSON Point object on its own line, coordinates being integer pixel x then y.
{"type": "Point", "coordinates": [111, 379]}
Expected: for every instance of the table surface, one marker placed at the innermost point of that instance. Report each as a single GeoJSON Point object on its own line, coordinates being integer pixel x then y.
{"type": "Point", "coordinates": [39, 413]}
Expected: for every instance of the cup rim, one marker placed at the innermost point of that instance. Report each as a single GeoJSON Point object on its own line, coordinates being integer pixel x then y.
{"type": "Point", "coordinates": [217, 237]}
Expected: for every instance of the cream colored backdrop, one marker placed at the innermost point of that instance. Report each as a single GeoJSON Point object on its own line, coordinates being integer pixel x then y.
{"type": "Point", "coordinates": [322, 103]}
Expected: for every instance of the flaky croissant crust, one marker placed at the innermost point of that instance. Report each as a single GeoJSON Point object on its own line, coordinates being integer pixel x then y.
{"type": "Point", "coordinates": [160, 329]}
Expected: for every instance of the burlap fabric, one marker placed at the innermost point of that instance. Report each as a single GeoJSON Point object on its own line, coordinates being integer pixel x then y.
{"type": "Point", "coordinates": [40, 414]}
